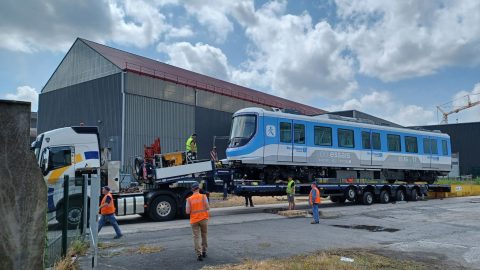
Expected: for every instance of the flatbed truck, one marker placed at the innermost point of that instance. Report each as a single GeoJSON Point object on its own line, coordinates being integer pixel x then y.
{"type": "Point", "coordinates": [168, 178]}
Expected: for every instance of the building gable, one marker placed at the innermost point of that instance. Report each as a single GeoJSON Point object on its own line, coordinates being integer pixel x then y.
{"type": "Point", "coordinates": [80, 64]}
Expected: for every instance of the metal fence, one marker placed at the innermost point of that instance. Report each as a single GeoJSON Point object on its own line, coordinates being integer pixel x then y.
{"type": "Point", "coordinates": [67, 215]}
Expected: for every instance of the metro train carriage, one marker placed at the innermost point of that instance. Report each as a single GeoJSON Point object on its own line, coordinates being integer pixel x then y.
{"type": "Point", "coordinates": [270, 145]}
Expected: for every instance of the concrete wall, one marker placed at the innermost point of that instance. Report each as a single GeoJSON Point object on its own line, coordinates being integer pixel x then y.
{"type": "Point", "coordinates": [23, 192]}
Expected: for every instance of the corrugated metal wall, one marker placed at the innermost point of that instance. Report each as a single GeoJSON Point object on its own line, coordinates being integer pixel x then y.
{"type": "Point", "coordinates": [148, 118]}
{"type": "Point", "coordinates": [81, 64]}
{"type": "Point", "coordinates": [159, 89]}
{"type": "Point", "coordinates": [465, 141]}
{"type": "Point", "coordinates": [209, 123]}
{"type": "Point", "coordinates": [88, 103]}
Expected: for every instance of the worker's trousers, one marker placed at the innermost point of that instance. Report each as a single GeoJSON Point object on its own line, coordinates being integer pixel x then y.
{"type": "Point", "coordinates": [316, 217]}
{"type": "Point", "coordinates": [200, 228]}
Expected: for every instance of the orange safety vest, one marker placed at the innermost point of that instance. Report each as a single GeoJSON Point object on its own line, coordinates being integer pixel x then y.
{"type": "Point", "coordinates": [110, 209]}
{"type": "Point", "coordinates": [317, 198]}
{"type": "Point", "coordinates": [198, 207]}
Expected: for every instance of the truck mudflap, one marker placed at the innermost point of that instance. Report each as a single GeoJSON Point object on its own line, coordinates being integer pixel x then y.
{"type": "Point", "coordinates": [130, 205]}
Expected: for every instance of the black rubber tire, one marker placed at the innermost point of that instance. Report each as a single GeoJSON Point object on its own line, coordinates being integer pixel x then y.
{"type": "Point", "coordinates": [74, 213]}
{"type": "Point", "coordinates": [334, 199]}
{"type": "Point", "coordinates": [400, 196]}
{"type": "Point", "coordinates": [367, 198]}
{"type": "Point", "coordinates": [351, 194]}
{"type": "Point", "coordinates": [414, 195]}
{"type": "Point", "coordinates": [385, 196]}
{"type": "Point", "coordinates": [163, 208]}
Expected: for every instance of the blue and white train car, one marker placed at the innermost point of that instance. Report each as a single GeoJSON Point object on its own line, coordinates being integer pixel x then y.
{"type": "Point", "coordinates": [269, 145]}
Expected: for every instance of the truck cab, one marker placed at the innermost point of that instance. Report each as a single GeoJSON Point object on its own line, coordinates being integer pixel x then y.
{"type": "Point", "coordinates": [66, 151]}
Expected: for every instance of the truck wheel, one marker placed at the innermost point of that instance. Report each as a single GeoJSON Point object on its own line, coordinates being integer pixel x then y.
{"type": "Point", "coordinates": [163, 208]}
{"type": "Point", "coordinates": [400, 196]}
{"type": "Point", "coordinates": [367, 198]}
{"type": "Point", "coordinates": [350, 194]}
{"type": "Point", "coordinates": [414, 195]}
{"type": "Point", "coordinates": [384, 196]}
{"type": "Point", "coordinates": [74, 214]}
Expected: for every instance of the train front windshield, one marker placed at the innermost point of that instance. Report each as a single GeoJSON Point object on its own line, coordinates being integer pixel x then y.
{"type": "Point", "coordinates": [243, 129]}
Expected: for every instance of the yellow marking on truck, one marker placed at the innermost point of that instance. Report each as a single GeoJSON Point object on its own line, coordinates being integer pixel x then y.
{"type": "Point", "coordinates": [78, 158]}
{"type": "Point", "coordinates": [56, 174]}
{"type": "Point", "coordinates": [457, 190]}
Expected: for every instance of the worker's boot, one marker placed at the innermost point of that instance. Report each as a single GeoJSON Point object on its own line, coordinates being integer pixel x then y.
{"type": "Point", "coordinates": [204, 254]}
{"type": "Point", "coordinates": [199, 258]}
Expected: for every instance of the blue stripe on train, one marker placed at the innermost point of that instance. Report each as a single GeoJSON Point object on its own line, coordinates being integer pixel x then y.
{"type": "Point", "coordinates": [91, 155]}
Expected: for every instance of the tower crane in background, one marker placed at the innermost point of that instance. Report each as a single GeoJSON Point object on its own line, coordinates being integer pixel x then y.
{"type": "Point", "coordinates": [445, 112]}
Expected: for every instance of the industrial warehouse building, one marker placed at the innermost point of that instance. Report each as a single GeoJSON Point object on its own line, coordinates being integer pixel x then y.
{"type": "Point", "coordinates": [133, 100]}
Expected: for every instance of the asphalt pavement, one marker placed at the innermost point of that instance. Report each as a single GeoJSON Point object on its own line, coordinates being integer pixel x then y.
{"type": "Point", "coordinates": [444, 232]}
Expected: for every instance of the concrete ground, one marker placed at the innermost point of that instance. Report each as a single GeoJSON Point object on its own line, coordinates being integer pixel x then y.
{"type": "Point", "coordinates": [443, 232]}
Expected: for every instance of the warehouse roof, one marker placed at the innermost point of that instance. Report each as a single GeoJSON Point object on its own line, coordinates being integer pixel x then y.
{"type": "Point", "coordinates": [149, 67]}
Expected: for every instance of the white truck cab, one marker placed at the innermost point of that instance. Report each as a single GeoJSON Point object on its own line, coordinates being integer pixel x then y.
{"type": "Point", "coordinates": [67, 151]}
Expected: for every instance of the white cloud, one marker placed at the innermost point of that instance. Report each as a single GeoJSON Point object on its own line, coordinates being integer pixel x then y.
{"type": "Point", "coordinates": [25, 93]}
{"type": "Point", "coordinates": [54, 25]}
{"type": "Point", "coordinates": [384, 105]}
{"type": "Point", "coordinates": [393, 40]}
{"type": "Point", "coordinates": [294, 57]}
{"type": "Point", "coordinates": [201, 58]}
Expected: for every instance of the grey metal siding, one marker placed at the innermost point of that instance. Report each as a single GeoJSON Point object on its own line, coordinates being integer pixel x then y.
{"type": "Point", "coordinates": [209, 123]}
{"type": "Point", "coordinates": [159, 89]}
{"type": "Point", "coordinates": [148, 118]}
{"type": "Point", "coordinates": [80, 64]}
{"type": "Point", "coordinates": [465, 138]}
{"type": "Point", "coordinates": [95, 103]}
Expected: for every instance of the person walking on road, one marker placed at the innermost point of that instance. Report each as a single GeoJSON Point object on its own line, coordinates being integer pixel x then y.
{"type": "Point", "coordinates": [314, 202]}
{"type": "Point", "coordinates": [107, 211]}
{"type": "Point", "coordinates": [197, 206]}
{"type": "Point", "coordinates": [291, 193]}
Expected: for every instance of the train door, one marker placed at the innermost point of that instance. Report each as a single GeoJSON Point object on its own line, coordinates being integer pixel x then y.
{"type": "Point", "coordinates": [427, 153]}
{"type": "Point", "coordinates": [285, 147]}
{"type": "Point", "coordinates": [299, 142]}
{"type": "Point", "coordinates": [435, 160]}
{"type": "Point", "coordinates": [371, 148]}
{"type": "Point", "coordinates": [366, 152]}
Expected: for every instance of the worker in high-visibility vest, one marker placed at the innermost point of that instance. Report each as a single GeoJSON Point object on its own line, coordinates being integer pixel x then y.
{"type": "Point", "coordinates": [191, 146]}
{"type": "Point", "coordinates": [291, 193]}
{"type": "Point", "coordinates": [107, 211]}
{"type": "Point", "coordinates": [314, 202]}
{"type": "Point", "coordinates": [197, 206]}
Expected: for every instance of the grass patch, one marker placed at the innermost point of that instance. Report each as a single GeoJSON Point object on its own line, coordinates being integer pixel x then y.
{"type": "Point", "coordinates": [327, 260]}
{"type": "Point", "coordinates": [144, 249]}
{"type": "Point", "coordinates": [105, 245]}
{"type": "Point", "coordinates": [78, 247]}
{"type": "Point", "coordinates": [475, 181]}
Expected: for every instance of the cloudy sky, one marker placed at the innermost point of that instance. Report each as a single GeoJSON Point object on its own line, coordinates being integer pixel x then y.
{"type": "Point", "coordinates": [394, 59]}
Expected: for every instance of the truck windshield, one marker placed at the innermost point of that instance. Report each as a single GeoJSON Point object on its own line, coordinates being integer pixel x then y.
{"type": "Point", "coordinates": [243, 129]}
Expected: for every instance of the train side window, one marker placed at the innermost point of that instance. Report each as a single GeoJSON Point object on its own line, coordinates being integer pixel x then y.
{"type": "Point", "coordinates": [285, 132]}
{"type": "Point", "coordinates": [411, 145]}
{"type": "Point", "coordinates": [444, 148]}
{"type": "Point", "coordinates": [366, 140]}
{"type": "Point", "coordinates": [322, 136]}
{"type": "Point", "coordinates": [376, 144]}
{"type": "Point", "coordinates": [393, 142]}
{"type": "Point", "coordinates": [345, 138]}
{"type": "Point", "coordinates": [426, 146]}
{"type": "Point", "coordinates": [434, 145]}
{"type": "Point", "coordinates": [299, 133]}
